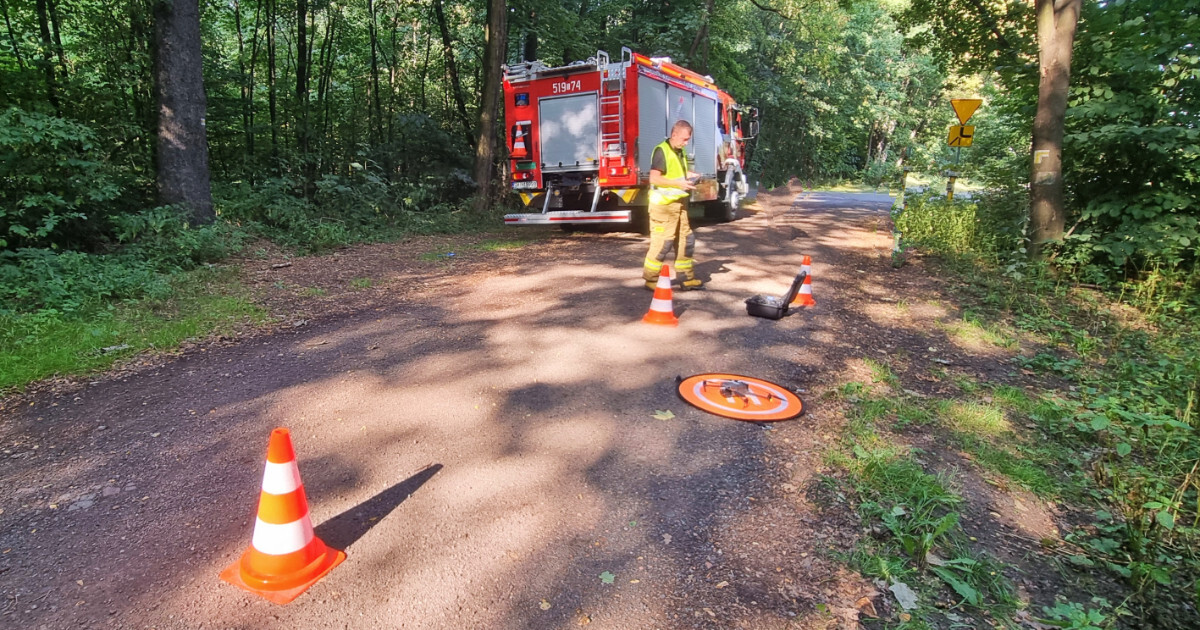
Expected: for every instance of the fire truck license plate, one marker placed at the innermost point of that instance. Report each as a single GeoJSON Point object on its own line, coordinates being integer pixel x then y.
{"type": "Point", "coordinates": [522, 185]}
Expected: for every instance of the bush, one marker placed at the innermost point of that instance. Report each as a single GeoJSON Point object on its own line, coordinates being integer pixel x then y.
{"type": "Point", "coordinates": [880, 173]}
{"type": "Point", "coordinates": [65, 281]}
{"type": "Point", "coordinates": [163, 237]}
{"type": "Point", "coordinates": [359, 206]}
{"type": "Point", "coordinates": [56, 188]}
{"type": "Point", "coordinates": [940, 226]}
{"type": "Point", "coordinates": [992, 226]}
{"type": "Point", "coordinates": [157, 243]}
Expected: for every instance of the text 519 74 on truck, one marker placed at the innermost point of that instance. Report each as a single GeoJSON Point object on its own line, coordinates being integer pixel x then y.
{"type": "Point", "coordinates": [581, 136]}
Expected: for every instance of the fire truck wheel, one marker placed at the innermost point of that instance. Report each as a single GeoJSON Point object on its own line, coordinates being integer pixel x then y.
{"type": "Point", "coordinates": [639, 221]}
{"type": "Point", "coordinates": [731, 206]}
{"type": "Point", "coordinates": [721, 210]}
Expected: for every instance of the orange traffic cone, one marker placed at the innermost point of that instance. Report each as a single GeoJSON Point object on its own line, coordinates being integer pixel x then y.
{"type": "Point", "coordinates": [662, 311]}
{"type": "Point", "coordinates": [519, 145]}
{"type": "Point", "coordinates": [285, 556]}
{"type": "Point", "coordinates": [804, 296]}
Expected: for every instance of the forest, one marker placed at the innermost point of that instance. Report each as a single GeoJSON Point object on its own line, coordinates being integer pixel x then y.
{"type": "Point", "coordinates": [143, 141]}
{"type": "Point", "coordinates": [326, 122]}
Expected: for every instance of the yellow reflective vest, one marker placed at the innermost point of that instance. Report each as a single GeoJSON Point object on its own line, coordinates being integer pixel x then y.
{"type": "Point", "coordinates": [677, 167]}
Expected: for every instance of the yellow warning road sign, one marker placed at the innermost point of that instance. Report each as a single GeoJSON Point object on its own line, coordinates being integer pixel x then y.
{"type": "Point", "coordinates": [964, 108]}
{"type": "Point", "coordinates": [961, 135]}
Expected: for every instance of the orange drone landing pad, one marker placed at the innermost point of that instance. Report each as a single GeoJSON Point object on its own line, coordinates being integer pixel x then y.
{"type": "Point", "coordinates": [740, 397]}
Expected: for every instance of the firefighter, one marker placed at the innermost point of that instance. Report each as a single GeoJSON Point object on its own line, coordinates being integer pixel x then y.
{"type": "Point", "coordinates": [670, 186]}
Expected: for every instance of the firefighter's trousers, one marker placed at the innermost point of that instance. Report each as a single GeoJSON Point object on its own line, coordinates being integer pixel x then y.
{"type": "Point", "coordinates": [670, 231]}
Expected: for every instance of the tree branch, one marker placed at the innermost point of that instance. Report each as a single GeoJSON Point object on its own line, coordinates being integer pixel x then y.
{"type": "Point", "coordinates": [772, 10]}
{"type": "Point", "coordinates": [991, 22]}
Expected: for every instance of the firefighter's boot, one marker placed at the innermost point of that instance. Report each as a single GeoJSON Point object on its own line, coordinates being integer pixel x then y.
{"type": "Point", "coordinates": [694, 283]}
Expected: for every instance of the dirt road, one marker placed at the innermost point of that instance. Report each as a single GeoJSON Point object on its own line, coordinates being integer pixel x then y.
{"type": "Point", "coordinates": [480, 438]}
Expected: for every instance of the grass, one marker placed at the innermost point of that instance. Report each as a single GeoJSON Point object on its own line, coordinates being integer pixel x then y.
{"type": "Point", "coordinates": [913, 513]}
{"type": "Point", "coordinates": [975, 419]}
{"type": "Point", "coordinates": [971, 332]}
{"type": "Point", "coordinates": [40, 345]}
{"type": "Point", "coordinates": [1031, 473]}
{"type": "Point", "coordinates": [1113, 420]}
{"type": "Point", "coordinates": [50, 330]}
{"type": "Point", "coordinates": [914, 509]}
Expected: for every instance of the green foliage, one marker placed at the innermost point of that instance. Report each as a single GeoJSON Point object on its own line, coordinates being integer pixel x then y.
{"type": "Point", "coordinates": [1130, 160]}
{"type": "Point", "coordinates": [1075, 616]}
{"type": "Point", "coordinates": [157, 243]}
{"type": "Point", "coordinates": [1123, 433]}
{"type": "Point", "coordinates": [1133, 142]}
{"type": "Point", "coordinates": [971, 35]}
{"type": "Point", "coordinates": [162, 237]}
{"type": "Point", "coordinates": [843, 108]}
{"type": "Point", "coordinates": [918, 510]}
{"type": "Point", "coordinates": [361, 206]}
{"type": "Point", "coordinates": [57, 185]}
{"type": "Point", "coordinates": [92, 337]}
{"type": "Point", "coordinates": [956, 227]}
{"type": "Point", "coordinates": [69, 282]}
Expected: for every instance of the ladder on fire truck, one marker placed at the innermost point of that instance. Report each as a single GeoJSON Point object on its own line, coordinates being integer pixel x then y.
{"type": "Point", "coordinates": [612, 113]}
{"type": "Point", "coordinates": [612, 102]}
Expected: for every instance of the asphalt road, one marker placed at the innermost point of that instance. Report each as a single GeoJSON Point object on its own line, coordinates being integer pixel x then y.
{"type": "Point", "coordinates": [485, 450]}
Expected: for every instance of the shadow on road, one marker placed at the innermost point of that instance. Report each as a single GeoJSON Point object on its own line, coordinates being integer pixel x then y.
{"type": "Point", "coordinates": [344, 529]}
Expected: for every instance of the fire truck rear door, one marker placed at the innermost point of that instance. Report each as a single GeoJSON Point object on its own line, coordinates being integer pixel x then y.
{"type": "Point", "coordinates": [569, 132]}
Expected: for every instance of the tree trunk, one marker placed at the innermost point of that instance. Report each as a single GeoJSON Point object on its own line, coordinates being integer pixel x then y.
{"type": "Point", "coordinates": [425, 72]}
{"type": "Point", "coordinates": [47, 56]}
{"type": "Point", "coordinates": [452, 70]}
{"type": "Point", "coordinates": [250, 132]}
{"type": "Point", "coordinates": [529, 50]}
{"type": "Point", "coordinates": [139, 47]}
{"type": "Point", "coordinates": [183, 176]}
{"type": "Point", "coordinates": [494, 37]}
{"type": "Point", "coordinates": [701, 34]}
{"type": "Point", "coordinates": [55, 31]}
{"type": "Point", "coordinates": [569, 53]}
{"type": "Point", "coordinates": [302, 131]}
{"type": "Point", "coordinates": [530, 47]}
{"type": "Point", "coordinates": [272, 97]}
{"type": "Point", "coordinates": [1056, 21]}
{"type": "Point", "coordinates": [377, 115]}
{"type": "Point", "coordinates": [324, 79]}
{"type": "Point", "coordinates": [11, 36]}
{"type": "Point", "coordinates": [243, 81]}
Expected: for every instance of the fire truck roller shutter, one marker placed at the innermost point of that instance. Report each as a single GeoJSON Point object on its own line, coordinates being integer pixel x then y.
{"type": "Point", "coordinates": [652, 119]}
{"type": "Point", "coordinates": [679, 106]}
{"type": "Point", "coordinates": [704, 136]}
{"type": "Point", "coordinates": [569, 132]}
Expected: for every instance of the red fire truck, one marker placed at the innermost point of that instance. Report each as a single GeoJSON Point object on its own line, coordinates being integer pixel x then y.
{"type": "Point", "coordinates": [580, 137]}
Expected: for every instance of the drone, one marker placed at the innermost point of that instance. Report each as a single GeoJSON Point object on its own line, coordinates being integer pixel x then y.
{"type": "Point", "coordinates": [731, 388]}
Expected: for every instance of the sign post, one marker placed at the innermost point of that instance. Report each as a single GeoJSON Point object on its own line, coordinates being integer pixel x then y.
{"type": "Point", "coordinates": [900, 206]}
{"type": "Point", "coordinates": [960, 135]}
